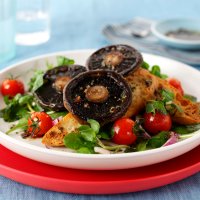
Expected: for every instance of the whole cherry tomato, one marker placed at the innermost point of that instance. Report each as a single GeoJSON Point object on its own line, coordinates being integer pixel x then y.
{"type": "Point", "coordinates": [177, 84]}
{"type": "Point", "coordinates": [123, 131]}
{"type": "Point", "coordinates": [155, 123]}
{"type": "Point", "coordinates": [39, 123]}
{"type": "Point", "coordinates": [11, 87]}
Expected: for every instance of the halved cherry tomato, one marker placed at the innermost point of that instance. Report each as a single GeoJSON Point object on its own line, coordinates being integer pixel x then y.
{"type": "Point", "coordinates": [38, 124]}
{"type": "Point", "coordinates": [123, 131]}
{"type": "Point", "coordinates": [155, 123]}
{"type": "Point", "coordinates": [177, 84]}
{"type": "Point", "coordinates": [11, 87]}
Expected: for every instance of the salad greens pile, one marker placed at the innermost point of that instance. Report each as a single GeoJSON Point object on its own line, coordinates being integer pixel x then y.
{"type": "Point", "coordinates": [87, 137]}
{"type": "Point", "coordinates": [20, 107]}
{"type": "Point", "coordinates": [164, 105]}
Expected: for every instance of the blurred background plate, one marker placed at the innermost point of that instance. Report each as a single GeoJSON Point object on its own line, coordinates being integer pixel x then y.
{"type": "Point", "coordinates": [138, 33]}
{"type": "Point", "coordinates": [186, 33]}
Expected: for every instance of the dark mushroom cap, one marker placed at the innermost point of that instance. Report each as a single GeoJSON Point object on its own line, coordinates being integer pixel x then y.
{"type": "Point", "coordinates": [50, 94]}
{"type": "Point", "coordinates": [122, 59]}
{"type": "Point", "coordinates": [99, 94]}
{"type": "Point", "coordinates": [71, 71]}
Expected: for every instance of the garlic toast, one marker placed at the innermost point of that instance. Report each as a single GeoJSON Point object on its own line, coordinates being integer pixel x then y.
{"type": "Point", "coordinates": [54, 137]}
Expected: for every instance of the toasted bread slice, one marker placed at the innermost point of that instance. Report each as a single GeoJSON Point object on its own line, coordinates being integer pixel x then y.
{"type": "Point", "coordinates": [143, 85]}
{"type": "Point", "coordinates": [190, 110]}
{"type": "Point", "coordinates": [54, 137]}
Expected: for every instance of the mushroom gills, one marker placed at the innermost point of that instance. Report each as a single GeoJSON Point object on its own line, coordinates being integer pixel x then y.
{"type": "Point", "coordinates": [122, 59]}
{"type": "Point", "coordinates": [50, 94]}
{"type": "Point", "coordinates": [101, 95]}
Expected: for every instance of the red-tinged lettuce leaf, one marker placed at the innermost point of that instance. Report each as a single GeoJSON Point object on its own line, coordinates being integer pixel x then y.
{"type": "Point", "coordinates": [174, 137]}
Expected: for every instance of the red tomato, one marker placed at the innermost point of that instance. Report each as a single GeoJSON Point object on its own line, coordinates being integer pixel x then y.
{"type": "Point", "coordinates": [123, 131]}
{"type": "Point", "coordinates": [11, 87]}
{"type": "Point", "coordinates": [155, 123]}
{"type": "Point", "coordinates": [38, 124]}
{"type": "Point", "coordinates": [177, 84]}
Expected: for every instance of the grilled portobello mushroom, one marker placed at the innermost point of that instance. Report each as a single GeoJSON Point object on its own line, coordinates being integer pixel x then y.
{"type": "Point", "coordinates": [120, 58]}
{"type": "Point", "coordinates": [99, 94]}
{"type": "Point", "coordinates": [50, 94]}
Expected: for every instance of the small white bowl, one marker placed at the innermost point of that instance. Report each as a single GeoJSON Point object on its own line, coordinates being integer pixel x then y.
{"type": "Point", "coordinates": [159, 29]}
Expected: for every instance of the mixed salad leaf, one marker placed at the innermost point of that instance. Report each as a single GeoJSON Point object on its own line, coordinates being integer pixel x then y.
{"type": "Point", "coordinates": [36, 81]}
{"type": "Point", "coordinates": [62, 60]}
{"type": "Point", "coordinates": [183, 130]}
{"type": "Point", "coordinates": [21, 105]}
{"type": "Point", "coordinates": [190, 97]}
{"type": "Point", "coordinates": [87, 137]}
{"type": "Point", "coordinates": [164, 105]}
{"type": "Point", "coordinates": [155, 70]}
{"type": "Point", "coordinates": [18, 107]}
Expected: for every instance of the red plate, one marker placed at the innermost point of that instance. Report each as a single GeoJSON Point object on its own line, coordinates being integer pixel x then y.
{"type": "Point", "coordinates": [60, 179]}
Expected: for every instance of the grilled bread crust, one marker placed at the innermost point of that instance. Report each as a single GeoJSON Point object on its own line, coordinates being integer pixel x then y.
{"type": "Point", "coordinates": [54, 137]}
{"type": "Point", "coordinates": [145, 87]}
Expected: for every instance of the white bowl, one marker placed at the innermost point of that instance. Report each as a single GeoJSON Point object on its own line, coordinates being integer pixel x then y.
{"type": "Point", "coordinates": [159, 29]}
{"type": "Point", "coordinates": [33, 149]}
